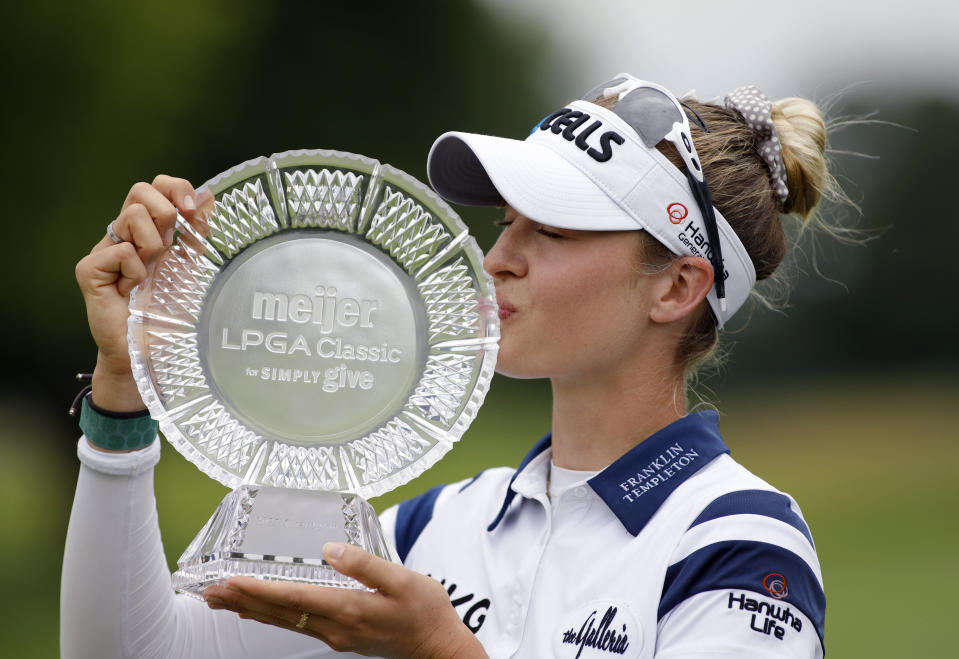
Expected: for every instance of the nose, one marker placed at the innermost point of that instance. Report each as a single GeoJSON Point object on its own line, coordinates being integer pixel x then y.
{"type": "Point", "coordinates": [506, 258]}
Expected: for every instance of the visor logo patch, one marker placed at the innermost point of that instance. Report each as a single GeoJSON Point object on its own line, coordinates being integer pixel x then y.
{"type": "Point", "coordinates": [677, 212]}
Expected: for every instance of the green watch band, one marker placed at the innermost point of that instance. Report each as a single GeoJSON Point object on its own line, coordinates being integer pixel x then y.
{"type": "Point", "coordinates": [122, 432]}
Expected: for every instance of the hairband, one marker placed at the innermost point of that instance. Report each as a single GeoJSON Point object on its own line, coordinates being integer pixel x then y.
{"type": "Point", "coordinates": [756, 110]}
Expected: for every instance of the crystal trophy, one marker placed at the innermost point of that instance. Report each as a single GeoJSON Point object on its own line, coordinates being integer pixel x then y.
{"type": "Point", "coordinates": [325, 338]}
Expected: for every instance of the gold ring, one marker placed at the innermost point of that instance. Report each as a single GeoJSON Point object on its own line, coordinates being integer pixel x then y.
{"type": "Point", "coordinates": [301, 623]}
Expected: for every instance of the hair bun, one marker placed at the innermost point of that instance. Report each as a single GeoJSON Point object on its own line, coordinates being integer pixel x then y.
{"type": "Point", "coordinates": [802, 133]}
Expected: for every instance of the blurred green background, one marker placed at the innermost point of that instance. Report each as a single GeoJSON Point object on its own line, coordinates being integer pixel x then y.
{"type": "Point", "coordinates": [845, 398]}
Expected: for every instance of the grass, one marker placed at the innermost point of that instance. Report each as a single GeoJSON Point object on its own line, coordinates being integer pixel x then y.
{"type": "Point", "coordinates": [873, 465]}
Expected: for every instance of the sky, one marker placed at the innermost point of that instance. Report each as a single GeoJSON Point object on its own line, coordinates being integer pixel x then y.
{"type": "Point", "coordinates": [814, 48]}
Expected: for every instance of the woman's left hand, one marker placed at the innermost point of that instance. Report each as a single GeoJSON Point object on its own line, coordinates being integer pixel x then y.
{"type": "Point", "coordinates": [407, 615]}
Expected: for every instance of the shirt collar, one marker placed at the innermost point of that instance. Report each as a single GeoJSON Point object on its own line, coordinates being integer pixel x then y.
{"type": "Point", "coordinates": [636, 485]}
{"type": "Point", "coordinates": [542, 445]}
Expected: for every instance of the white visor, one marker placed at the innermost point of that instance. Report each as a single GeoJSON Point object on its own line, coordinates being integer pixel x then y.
{"type": "Point", "coordinates": [585, 168]}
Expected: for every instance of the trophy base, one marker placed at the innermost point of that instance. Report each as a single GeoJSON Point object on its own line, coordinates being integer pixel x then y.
{"type": "Point", "coordinates": [278, 533]}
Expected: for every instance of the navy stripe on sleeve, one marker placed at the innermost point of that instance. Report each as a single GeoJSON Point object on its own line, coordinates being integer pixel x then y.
{"type": "Point", "coordinates": [746, 565]}
{"type": "Point", "coordinates": [412, 517]}
{"type": "Point", "coordinates": [755, 502]}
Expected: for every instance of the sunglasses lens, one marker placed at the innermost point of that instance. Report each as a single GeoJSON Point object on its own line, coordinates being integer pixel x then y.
{"type": "Point", "coordinates": [650, 112]}
{"type": "Point", "coordinates": [596, 92]}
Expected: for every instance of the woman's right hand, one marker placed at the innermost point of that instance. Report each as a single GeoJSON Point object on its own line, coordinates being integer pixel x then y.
{"type": "Point", "coordinates": [111, 270]}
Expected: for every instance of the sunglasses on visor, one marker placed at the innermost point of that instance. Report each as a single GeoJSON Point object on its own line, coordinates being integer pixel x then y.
{"type": "Point", "coordinates": [656, 115]}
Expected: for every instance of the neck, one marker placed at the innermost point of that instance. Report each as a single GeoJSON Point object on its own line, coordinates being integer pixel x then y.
{"type": "Point", "coordinates": [598, 419]}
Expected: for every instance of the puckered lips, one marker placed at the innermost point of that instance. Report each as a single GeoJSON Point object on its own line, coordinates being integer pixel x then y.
{"type": "Point", "coordinates": [506, 309]}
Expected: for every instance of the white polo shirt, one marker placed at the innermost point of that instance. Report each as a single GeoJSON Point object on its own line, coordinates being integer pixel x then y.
{"type": "Point", "coordinates": [674, 550]}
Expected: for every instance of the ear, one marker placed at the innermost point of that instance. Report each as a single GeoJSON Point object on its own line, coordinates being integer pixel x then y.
{"type": "Point", "coordinates": [686, 283]}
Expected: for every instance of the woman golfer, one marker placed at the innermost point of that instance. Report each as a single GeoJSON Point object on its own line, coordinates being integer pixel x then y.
{"type": "Point", "coordinates": [634, 227]}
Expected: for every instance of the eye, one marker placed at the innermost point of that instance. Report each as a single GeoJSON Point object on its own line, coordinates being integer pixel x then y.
{"type": "Point", "coordinates": [550, 234]}
{"type": "Point", "coordinates": [541, 229]}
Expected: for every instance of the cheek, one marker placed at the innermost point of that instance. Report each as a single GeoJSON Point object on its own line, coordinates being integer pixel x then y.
{"type": "Point", "coordinates": [574, 325]}
{"type": "Point", "coordinates": [603, 294]}
{"type": "Point", "coordinates": [604, 319]}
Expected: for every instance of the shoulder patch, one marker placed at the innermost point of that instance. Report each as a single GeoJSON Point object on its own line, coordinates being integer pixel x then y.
{"type": "Point", "coordinates": [747, 565]}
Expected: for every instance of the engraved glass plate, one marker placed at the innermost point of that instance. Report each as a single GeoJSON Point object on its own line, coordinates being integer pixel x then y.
{"type": "Point", "coordinates": [333, 331]}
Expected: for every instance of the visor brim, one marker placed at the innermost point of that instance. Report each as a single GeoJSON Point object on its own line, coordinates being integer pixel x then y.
{"type": "Point", "coordinates": [483, 170]}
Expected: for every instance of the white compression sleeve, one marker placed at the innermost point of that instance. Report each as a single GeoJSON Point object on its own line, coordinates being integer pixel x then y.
{"type": "Point", "coordinates": [116, 599]}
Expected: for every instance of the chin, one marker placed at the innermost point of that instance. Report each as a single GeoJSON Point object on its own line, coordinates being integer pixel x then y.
{"type": "Point", "coordinates": [519, 364]}
{"type": "Point", "coordinates": [519, 374]}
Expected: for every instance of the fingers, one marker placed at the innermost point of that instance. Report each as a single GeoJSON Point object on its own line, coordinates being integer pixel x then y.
{"type": "Point", "coordinates": [416, 620]}
{"type": "Point", "coordinates": [198, 225]}
{"type": "Point", "coordinates": [314, 625]}
{"type": "Point", "coordinates": [193, 205]}
{"type": "Point", "coordinates": [137, 226]}
{"type": "Point", "coordinates": [177, 190]}
{"type": "Point", "coordinates": [131, 272]}
{"type": "Point", "coordinates": [286, 619]}
{"type": "Point", "coordinates": [165, 192]}
{"type": "Point", "coordinates": [276, 597]}
{"type": "Point", "coordinates": [369, 570]}
{"type": "Point", "coordinates": [204, 200]}
{"type": "Point", "coordinates": [283, 604]}
{"type": "Point", "coordinates": [246, 599]}
{"type": "Point", "coordinates": [115, 268]}
{"type": "Point", "coordinates": [157, 203]}
{"type": "Point", "coordinates": [346, 559]}
{"type": "Point", "coordinates": [164, 197]}
{"type": "Point", "coordinates": [150, 211]}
